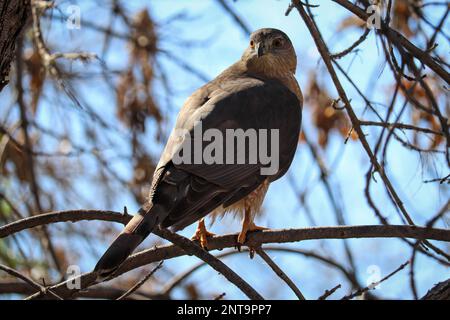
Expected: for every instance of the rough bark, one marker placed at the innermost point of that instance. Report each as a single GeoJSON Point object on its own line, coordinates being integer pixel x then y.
{"type": "Point", "coordinates": [13, 17]}
{"type": "Point", "coordinates": [440, 291]}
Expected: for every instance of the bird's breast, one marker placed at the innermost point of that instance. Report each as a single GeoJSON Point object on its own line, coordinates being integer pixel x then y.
{"type": "Point", "coordinates": [252, 202]}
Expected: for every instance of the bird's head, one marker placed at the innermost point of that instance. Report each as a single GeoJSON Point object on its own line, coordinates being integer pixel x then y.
{"type": "Point", "coordinates": [270, 51]}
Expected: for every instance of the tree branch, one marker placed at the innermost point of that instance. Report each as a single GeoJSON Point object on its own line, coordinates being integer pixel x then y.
{"type": "Point", "coordinates": [399, 41]}
{"type": "Point", "coordinates": [441, 291]}
{"type": "Point", "coordinates": [140, 283]}
{"type": "Point", "coordinates": [192, 249]}
{"type": "Point", "coordinates": [42, 289]}
{"type": "Point", "coordinates": [13, 17]}
{"type": "Point", "coordinates": [280, 273]}
{"type": "Point", "coordinates": [235, 17]}
{"type": "Point", "coordinates": [254, 239]}
{"type": "Point", "coordinates": [98, 292]}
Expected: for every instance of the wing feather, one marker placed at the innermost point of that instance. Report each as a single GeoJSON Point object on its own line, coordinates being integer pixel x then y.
{"type": "Point", "coordinates": [245, 103]}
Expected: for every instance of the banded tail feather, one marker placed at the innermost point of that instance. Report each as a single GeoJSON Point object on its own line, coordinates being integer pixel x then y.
{"type": "Point", "coordinates": [137, 229]}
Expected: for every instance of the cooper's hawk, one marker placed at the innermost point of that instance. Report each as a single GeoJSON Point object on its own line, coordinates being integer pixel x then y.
{"type": "Point", "coordinates": [258, 92]}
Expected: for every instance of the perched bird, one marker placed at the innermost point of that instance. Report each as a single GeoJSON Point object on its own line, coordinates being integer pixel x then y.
{"type": "Point", "coordinates": [257, 92]}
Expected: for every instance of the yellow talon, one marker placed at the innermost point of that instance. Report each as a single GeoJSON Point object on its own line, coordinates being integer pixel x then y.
{"type": "Point", "coordinates": [246, 227]}
{"type": "Point", "coordinates": [201, 234]}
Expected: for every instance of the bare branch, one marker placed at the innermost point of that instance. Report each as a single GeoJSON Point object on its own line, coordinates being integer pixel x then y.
{"type": "Point", "coordinates": [31, 282]}
{"type": "Point", "coordinates": [227, 241]}
{"type": "Point", "coordinates": [193, 249]}
{"type": "Point", "coordinates": [235, 17]}
{"type": "Point", "coordinates": [398, 125]}
{"type": "Point", "coordinates": [440, 291]}
{"type": "Point", "coordinates": [324, 52]}
{"type": "Point", "coordinates": [280, 273]}
{"type": "Point", "coordinates": [375, 284]}
{"type": "Point", "coordinates": [256, 238]}
{"type": "Point", "coordinates": [329, 292]}
{"type": "Point", "coordinates": [140, 283]}
{"type": "Point", "coordinates": [399, 40]}
{"type": "Point", "coordinates": [177, 280]}
{"type": "Point", "coordinates": [98, 292]}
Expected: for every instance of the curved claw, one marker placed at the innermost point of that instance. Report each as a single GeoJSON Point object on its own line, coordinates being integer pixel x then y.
{"type": "Point", "coordinates": [201, 234]}
{"type": "Point", "coordinates": [246, 228]}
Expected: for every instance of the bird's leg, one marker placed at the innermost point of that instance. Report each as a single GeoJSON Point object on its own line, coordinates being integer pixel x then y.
{"type": "Point", "coordinates": [248, 225]}
{"type": "Point", "coordinates": [201, 234]}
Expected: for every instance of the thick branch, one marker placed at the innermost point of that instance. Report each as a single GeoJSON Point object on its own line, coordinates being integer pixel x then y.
{"type": "Point", "coordinates": [271, 236]}
{"type": "Point", "coordinates": [30, 281]}
{"type": "Point", "coordinates": [441, 291]}
{"type": "Point", "coordinates": [99, 292]}
{"type": "Point", "coordinates": [227, 241]}
{"type": "Point", "coordinates": [192, 249]}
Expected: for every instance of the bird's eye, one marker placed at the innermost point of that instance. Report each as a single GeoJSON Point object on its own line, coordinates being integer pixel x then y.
{"type": "Point", "coordinates": [277, 43]}
{"type": "Point", "coordinates": [252, 43]}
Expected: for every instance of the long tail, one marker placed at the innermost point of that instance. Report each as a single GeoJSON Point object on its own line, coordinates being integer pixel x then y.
{"type": "Point", "coordinates": [132, 235]}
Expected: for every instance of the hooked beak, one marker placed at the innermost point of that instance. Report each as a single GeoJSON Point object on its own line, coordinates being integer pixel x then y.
{"type": "Point", "coordinates": [260, 49]}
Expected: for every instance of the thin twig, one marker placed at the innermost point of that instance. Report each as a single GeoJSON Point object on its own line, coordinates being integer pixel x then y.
{"type": "Point", "coordinates": [329, 292]}
{"type": "Point", "coordinates": [375, 284]}
{"type": "Point", "coordinates": [177, 280]}
{"type": "Point", "coordinates": [399, 40]}
{"type": "Point", "coordinates": [31, 282]}
{"type": "Point", "coordinates": [283, 276]}
{"type": "Point", "coordinates": [141, 282]}
{"type": "Point", "coordinates": [399, 126]}
{"type": "Point", "coordinates": [352, 47]}
{"type": "Point", "coordinates": [324, 52]}
{"type": "Point", "coordinates": [235, 17]}
{"type": "Point", "coordinates": [220, 296]}
{"type": "Point", "coordinates": [99, 292]}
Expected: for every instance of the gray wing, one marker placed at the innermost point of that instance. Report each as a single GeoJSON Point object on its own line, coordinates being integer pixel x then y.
{"type": "Point", "coordinates": [189, 191]}
{"type": "Point", "coordinates": [181, 192]}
